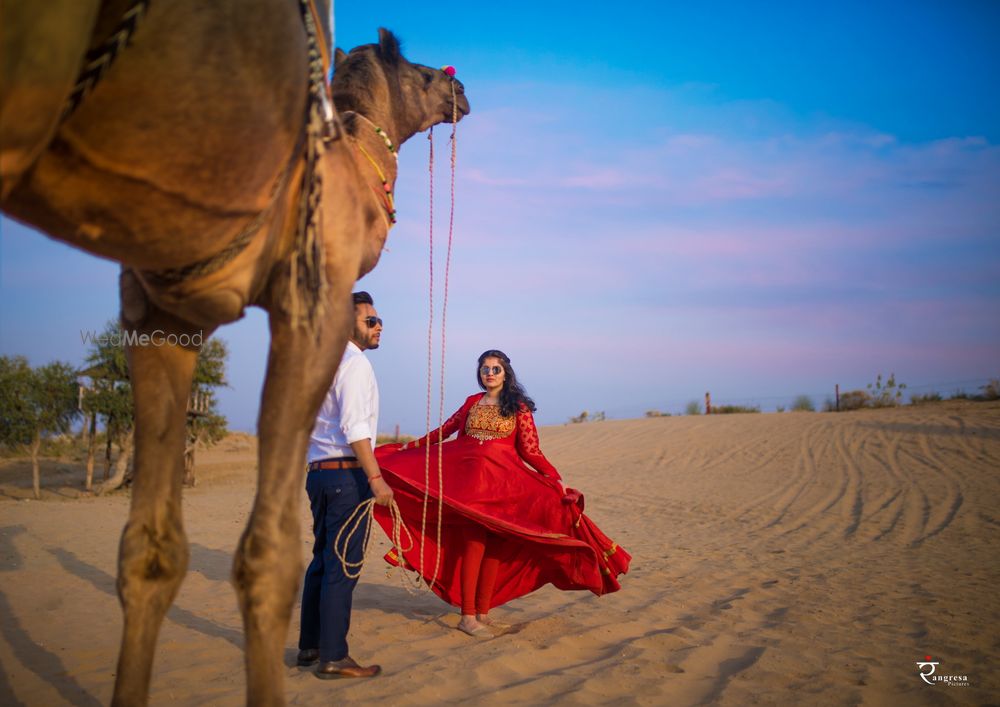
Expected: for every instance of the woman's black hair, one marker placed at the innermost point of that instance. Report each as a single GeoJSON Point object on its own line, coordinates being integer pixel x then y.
{"type": "Point", "coordinates": [512, 395]}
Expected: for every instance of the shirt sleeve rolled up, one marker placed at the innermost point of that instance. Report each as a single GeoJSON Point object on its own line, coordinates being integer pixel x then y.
{"type": "Point", "coordinates": [353, 390]}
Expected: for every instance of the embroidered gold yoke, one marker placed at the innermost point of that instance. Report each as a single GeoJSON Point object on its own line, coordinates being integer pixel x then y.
{"type": "Point", "coordinates": [485, 422]}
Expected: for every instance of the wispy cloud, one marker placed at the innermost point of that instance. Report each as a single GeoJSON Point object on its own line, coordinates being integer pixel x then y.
{"type": "Point", "coordinates": [696, 241]}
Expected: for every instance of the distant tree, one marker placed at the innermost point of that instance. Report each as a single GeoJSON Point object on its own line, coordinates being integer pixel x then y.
{"type": "Point", "coordinates": [110, 398]}
{"type": "Point", "coordinates": [582, 417]}
{"type": "Point", "coordinates": [35, 403]}
{"type": "Point", "coordinates": [205, 424]}
{"type": "Point", "coordinates": [693, 408]}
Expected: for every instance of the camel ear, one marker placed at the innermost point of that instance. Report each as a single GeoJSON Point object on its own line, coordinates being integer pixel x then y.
{"type": "Point", "coordinates": [388, 45]}
{"type": "Point", "coordinates": [338, 56]}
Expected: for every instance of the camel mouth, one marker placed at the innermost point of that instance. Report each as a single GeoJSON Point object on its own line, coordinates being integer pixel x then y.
{"type": "Point", "coordinates": [463, 109]}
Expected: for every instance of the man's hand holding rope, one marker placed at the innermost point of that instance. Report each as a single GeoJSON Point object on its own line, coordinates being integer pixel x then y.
{"type": "Point", "coordinates": [366, 458]}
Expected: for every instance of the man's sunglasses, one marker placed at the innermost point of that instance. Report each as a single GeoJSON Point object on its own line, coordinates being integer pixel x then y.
{"type": "Point", "coordinates": [372, 322]}
{"type": "Point", "coordinates": [486, 370]}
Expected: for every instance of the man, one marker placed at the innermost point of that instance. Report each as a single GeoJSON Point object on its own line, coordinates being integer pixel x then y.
{"type": "Point", "coordinates": [342, 474]}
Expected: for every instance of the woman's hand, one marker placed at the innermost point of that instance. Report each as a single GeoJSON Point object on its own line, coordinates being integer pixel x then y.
{"type": "Point", "coordinates": [573, 497]}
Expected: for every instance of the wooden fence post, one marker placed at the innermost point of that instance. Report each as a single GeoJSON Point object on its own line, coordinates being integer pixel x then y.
{"type": "Point", "coordinates": [838, 397]}
{"type": "Point", "coordinates": [708, 403]}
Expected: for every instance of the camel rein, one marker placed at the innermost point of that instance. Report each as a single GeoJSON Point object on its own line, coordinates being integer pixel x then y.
{"type": "Point", "coordinates": [430, 347]}
{"type": "Point", "coordinates": [366, 509]}
{"type": "Point", "coordinates": [363, 514]}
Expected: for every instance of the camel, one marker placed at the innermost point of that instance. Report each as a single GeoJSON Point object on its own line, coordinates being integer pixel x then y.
{"type": "Point", "coordinates": [187, 163]}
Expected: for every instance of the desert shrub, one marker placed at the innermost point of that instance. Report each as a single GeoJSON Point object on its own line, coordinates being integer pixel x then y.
{"type": "Point", "coordinates": [693, 408]}
{"type": "Point", "coordinates": [921, 399]}
{"type": "Point", "coordinates": [779, 408]}
{"type": "Point", "coordinates": [887, 394]}
{"type": "Point", "coordinates": [733, 409]}
{"type": "Point", "coordinates": [960, 395]}
{"type": "Point", "coordinates": [657, 413]}
{"type": "Point", "coordinates": [854, 400]}
{"type": "Point", "coordinates": [803, 403]}
{"type": "Point", "coordinates": [588, 417]}
{"type": "Point", "coordinates": [991, 391]}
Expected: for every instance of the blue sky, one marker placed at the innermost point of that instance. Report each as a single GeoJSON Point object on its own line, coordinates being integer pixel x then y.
{"type": "Point", "coordinates": [655, 200]}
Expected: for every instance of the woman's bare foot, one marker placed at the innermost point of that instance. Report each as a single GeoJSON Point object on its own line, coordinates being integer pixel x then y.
{"type": "Point", "coordinates": [493, 624]}
{"type": "Point", "coordinates": [468, 624]}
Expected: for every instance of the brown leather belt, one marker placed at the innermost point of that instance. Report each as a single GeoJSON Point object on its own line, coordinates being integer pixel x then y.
{"type": "Point", "coordinates": [343, 463]}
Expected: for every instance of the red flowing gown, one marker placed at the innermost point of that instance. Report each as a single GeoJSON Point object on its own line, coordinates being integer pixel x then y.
{"type": "Point", "coordinates": [537, 529]}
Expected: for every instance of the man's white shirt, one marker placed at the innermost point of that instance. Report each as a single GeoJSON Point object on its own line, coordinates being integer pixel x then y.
{"type": "Point", "coordinates": [350, 410]}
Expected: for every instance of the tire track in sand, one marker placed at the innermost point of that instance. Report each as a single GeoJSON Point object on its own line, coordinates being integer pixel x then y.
{"type": "Point", "coordinates": [781, 499]}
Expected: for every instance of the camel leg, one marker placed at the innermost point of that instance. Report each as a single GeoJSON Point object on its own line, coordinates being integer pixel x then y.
{"type": "Point", "coordinates": [153, 555]}
{"type": "Point", "coordinates": [268, 563]}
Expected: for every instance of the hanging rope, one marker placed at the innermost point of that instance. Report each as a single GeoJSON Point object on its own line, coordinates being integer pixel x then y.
{"type": "Point", "coordinates": [364, 513]}
{"type": "Point", "coordinates": [430, 350]}
{"type": "Point", "coordinates": [444, 329]}
{"type": "Point", "coordinates": [366, 509]}
{"type": "Point", "coordinates": [430, 333]}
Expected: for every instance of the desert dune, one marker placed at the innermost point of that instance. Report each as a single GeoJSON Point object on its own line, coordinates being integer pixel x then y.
{"type": "Point", "coordinates": [779, 559]}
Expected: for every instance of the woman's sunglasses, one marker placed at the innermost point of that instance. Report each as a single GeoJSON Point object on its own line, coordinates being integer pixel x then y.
{"type": "Point", "coordinates": [372, 322]}
{"type": "Point", "coordinates": [486, 370]}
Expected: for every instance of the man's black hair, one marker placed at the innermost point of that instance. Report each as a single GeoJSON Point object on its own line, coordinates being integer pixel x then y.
{"type": "Point", "coordinates": [363, 298]}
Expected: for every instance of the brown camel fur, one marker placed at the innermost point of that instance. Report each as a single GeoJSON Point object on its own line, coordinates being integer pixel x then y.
{"type": "Point", "coordinates": [193, 133]}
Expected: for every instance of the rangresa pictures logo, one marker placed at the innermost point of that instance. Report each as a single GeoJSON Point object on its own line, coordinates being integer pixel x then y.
{"type": "Point", "coordinates": [928, 672]}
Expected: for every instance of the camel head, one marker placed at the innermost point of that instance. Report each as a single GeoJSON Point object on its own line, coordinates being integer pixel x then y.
{"type": "Point", "coordinates": [404, 98]}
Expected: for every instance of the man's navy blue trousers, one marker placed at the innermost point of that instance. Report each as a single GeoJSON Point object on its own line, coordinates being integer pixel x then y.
{"type": "Point", "coordinates": [334, 494]}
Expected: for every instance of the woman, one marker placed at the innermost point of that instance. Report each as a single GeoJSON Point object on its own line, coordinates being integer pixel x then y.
{"type": "Point", "coordinates": [507, 529]}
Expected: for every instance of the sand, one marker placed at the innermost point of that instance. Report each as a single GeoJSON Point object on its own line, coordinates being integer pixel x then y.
{"type": "Point", "coordinates": [779, 559]}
